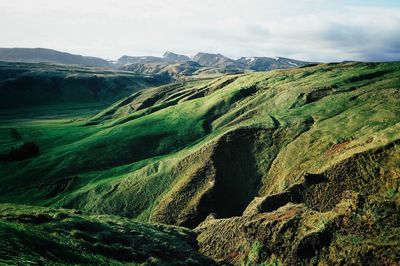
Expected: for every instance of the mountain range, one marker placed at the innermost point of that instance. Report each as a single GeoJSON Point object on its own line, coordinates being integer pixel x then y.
{"type": "Point", "coordinates": [202, 63]}
{"type": "Point", "coordinates": [172, 64]}
{"type": "Point", "coordinates": [41, 55]}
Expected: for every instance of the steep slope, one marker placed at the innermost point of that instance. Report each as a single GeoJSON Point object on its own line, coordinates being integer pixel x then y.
{"type": "Point", "coordinates": [24, 85]}
{"type": "Point", "coordinates": [346, 215]}
{"type": "Point", "coordinates": [41, 236]}
{"type": "Point", "coordinates": [292, 164]}
{"type": "Point", "coordinates": [42, 55]}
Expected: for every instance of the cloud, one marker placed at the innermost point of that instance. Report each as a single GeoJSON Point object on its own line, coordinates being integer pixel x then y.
{"type": "Point", "coordinates": [315, 30]}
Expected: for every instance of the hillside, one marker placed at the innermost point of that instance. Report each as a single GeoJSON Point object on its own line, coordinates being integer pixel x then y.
{"type": "Point", "coordinates": [43, 236]}
{"type": "Point", "coordinates": [42, 55]}
{"type": "Point", "coordinates": [296, 166]}
{"type": "Point", "coordinates": [26, 85]}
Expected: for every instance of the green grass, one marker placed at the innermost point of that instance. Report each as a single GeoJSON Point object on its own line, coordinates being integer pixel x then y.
{"type": "Point", "coordinates": [176, 153]}
{"type": "Point", "coordinates": [31, 235]}
{"type": "Point", "coordinates": [139, 156]}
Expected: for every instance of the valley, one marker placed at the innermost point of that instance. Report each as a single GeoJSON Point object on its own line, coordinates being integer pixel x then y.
{"type": "Point", "coordinates": [292, 166]}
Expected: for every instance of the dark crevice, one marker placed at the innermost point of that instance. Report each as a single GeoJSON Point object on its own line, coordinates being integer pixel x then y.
{"type": "Point", "coordinates": [322, 192]}
{"type": "Point", "coordinates": [294, 194]}
{"type": "Point", "coordinates": [236, 178]}
{"type": "Point", "coordinates": [310, 245]}
{"type": "Point", "coordinates": [368, 76]}
{"type": "Point", "coordinates": [26, 151]}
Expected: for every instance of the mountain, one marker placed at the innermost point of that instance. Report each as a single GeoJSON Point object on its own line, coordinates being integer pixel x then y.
{"type": "Point", "coordinates": [176, 71]}
{"type": "Point", "coordinates": [267, 63]}
{"type": "Point", "coordinates": [175, 58]}
{"type": "Point", "coordinates": [125, 60]}
{"type": "Point", "coordinates": [41, 55]}
{"type": "Point", "coordinates": [246, 63]}
{"type": "Point", "coordinates": [201, 65]}
{"type": "Point", "coordinates": [172, 65]}
{"type": "Point", "coordinates": [217, 60]}
{"type": "Point", "coordinates": [209, 64]}
{"type": "Point", "coordinates": [286, 167]}
{"type": "Point", "coordinates": [168, 58]}
{"type": "Point", "coordinates": [175, 66]}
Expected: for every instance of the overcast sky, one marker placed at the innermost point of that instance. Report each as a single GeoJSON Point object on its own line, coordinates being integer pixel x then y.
{"type": "Point", "coordinates": [314, 30]}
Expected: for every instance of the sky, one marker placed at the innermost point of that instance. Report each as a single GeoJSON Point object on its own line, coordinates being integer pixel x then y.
{"type": "Point", "coordinates": [312, 30]}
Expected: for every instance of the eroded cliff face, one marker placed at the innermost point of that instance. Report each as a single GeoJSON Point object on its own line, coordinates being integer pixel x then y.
{"type": "Point", "coordinates": [348, 214]}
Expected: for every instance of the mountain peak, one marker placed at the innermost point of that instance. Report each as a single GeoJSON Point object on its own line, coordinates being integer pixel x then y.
{"type": "Point", "coordinates": [173, 57]}
{"type": "Point", "coordinates": [217, 60]}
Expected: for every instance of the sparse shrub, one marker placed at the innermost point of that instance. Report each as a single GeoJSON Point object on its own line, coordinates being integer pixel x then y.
{"type": "Point", "coordinates": [391, 193]}
{"type": "Point", "coordinates": [253, 258]}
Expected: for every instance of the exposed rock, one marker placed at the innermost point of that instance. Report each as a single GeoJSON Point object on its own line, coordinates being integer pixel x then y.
{"type": "Point", "coordinates": [175, 58]}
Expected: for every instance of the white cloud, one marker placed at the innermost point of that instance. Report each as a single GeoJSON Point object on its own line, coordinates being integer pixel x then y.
{"type": "Point", "coordinates": [316, 30]}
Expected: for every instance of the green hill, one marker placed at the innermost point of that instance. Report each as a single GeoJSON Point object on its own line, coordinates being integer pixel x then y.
{"type": "Point", "coordinates": [43, 236]}
{"type": "Point", "coordinates": [291, 166]}
{"type": "Point", "coordinates": [26, 85]}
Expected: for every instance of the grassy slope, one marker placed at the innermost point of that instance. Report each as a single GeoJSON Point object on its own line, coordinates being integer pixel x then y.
{"type": "Point", "coordinates": [27, 85]}
{"type": "Point", "coordinates": [171, 154]}
{"type": "Point", "coordinates": [298, 115]}
{"type": "Point", "coordinates": [43, 236]}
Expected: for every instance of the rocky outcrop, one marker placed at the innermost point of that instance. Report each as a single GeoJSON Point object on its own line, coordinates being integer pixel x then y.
{"type": "Point", "coordinates": [307, 224]}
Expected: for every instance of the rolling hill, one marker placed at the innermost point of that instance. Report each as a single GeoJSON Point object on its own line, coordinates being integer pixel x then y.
{"type": "Point", "coordinates": [286, 167]}
{"type": "Point", "coordinates": [26, 85]}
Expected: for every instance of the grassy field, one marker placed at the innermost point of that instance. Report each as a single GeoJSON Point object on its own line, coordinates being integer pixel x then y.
{"type": "Point", "coordinates": [180, 152]}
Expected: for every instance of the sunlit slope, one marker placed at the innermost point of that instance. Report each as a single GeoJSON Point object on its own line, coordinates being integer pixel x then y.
{"type": "Point", "coordinates": [177, 153]}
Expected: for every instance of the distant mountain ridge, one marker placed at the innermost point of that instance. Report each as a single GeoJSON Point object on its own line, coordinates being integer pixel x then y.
{"type": "Point", "coordinates": [171, 64]}
{"type": "Point", "coordinates": [175, 57]}
{"type": "Point", "coordinates": [268, 63]}
{"type": "Point", "coordinates": [217, 61]}
{"type": "Point", "coordinates": [202, 64]}
{"type": "Point", "coordinates": [43, 55]}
